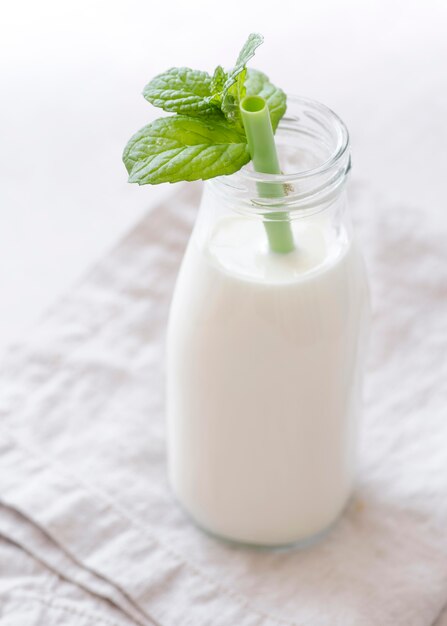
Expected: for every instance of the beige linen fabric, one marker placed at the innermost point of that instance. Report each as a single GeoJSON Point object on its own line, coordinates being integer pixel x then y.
{"type": "Point", "coordinates": [31, 594]}
{"type": "Point", "coordinates": [83, 485]}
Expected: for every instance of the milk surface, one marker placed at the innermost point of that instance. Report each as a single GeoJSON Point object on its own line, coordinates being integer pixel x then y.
{"type": "Point", "coordinates": [264, 365]}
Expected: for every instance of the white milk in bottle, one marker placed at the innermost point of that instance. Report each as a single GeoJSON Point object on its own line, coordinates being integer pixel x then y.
{"type": "Point", "coordinates": [265, 350]}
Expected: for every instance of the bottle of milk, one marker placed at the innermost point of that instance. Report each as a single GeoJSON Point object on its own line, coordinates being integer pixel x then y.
{"type": "Point", "coordinates": [266, 350]}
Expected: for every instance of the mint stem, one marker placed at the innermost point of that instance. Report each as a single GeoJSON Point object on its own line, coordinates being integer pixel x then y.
{"type": "Point", "coordinates": [261, 144]}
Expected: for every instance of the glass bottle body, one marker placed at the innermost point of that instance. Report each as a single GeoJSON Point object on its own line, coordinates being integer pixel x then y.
{"type": "Point", "coordinates": [265, 359]}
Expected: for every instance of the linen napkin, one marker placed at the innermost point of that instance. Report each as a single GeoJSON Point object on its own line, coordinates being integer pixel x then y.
{"type": "Point", "coordinates": [83, 484]}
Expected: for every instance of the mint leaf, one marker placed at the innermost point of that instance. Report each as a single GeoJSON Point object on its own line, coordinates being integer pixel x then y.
{"type": "Point", "coordinates": [248, 51]}
{"type": "Point", "coordinates": [218, 81]}
{"type": "Point", "coordinates": [234, 88]}
{"type": "Point", "coordinates": [181, 90]}
{"type": "Point", "coordinates": [178, 148]}
{"type": "Point", "coordinates": [217, 85]}
{"type": "Point", "coordinates": [231, 98]}
{"type": "Point", "coordinates": [258, 84]}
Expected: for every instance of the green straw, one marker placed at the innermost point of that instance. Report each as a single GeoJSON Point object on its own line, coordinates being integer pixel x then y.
{"type": "Point", "coordinates": [261, 143]}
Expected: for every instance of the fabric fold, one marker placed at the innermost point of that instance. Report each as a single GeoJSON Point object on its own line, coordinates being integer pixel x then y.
{"type": "Point", "coordinates": [32, 594]}
{"type": "Point", "coordinates": [26, 534]}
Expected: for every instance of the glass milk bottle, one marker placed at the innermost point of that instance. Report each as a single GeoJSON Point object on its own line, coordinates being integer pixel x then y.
{"type": "Point", "coordinates": [265, 351]}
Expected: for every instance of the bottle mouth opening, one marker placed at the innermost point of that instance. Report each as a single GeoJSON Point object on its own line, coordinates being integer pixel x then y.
{"type": "Point", "coordinates": [313, 149]}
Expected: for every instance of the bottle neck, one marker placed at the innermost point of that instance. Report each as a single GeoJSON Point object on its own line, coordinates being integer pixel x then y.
{"type": "Point", "coordinates": [330, 220]}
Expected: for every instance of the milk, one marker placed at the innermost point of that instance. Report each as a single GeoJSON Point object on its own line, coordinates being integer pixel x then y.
{"type": "Point", "coordinates": [264, 363]}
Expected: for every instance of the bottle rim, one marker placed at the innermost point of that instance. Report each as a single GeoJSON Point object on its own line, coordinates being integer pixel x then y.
{"type": "Point", "coordinates": [309, 188]}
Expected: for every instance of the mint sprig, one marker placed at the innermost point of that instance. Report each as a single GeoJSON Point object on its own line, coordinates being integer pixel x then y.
{"type": "Point", "coordinates": [206, 138]}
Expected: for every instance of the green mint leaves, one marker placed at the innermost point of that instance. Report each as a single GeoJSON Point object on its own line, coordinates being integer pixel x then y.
{"type": "Point", "coordinates": [206, 138]}
{"type": "Point", "coordinates": [178, 148]}
{"type": "Point", "coordinates": [180, 90]}
{"type": "Point", "coordinates": [234, 87]}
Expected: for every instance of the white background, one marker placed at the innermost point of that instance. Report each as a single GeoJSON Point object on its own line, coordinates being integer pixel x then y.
{"type": "Point", "coordinates": [71, 75]}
